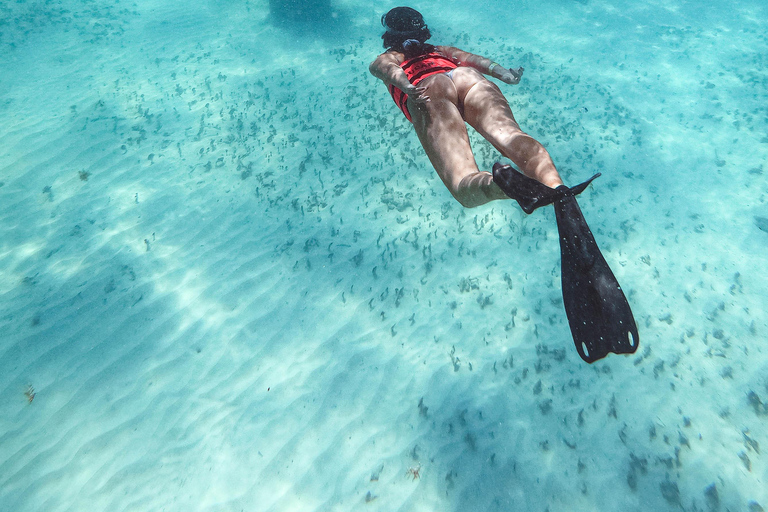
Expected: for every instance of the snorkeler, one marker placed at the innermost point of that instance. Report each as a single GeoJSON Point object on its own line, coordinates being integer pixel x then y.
{"type": "Point", "coordinates": [439, 89]}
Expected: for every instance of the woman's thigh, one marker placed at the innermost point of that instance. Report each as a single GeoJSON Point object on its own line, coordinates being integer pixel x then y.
{"type": "Point", "coordinates": [442, 132]}
{"type": "Point", "coordinates": [485, 107]}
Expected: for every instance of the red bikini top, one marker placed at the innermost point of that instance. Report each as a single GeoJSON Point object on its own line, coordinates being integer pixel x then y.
{"type": "Point", "coordinates": [417, 69]}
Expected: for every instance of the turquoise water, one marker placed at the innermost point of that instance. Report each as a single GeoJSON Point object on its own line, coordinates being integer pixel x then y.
{"type": "Point", "coordinates": [230, 280]}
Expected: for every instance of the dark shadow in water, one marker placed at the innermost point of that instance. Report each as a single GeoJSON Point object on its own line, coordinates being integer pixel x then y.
{"type": "Point", "coordinates": [298, 10]}
{"type": "Point", "coordinates": [762, 223]}
{"type": "Point", "coordinates": [316, 19]}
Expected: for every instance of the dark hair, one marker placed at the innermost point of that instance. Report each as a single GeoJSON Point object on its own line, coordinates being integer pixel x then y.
{"type": "Point", "coordinates": [406, 32]}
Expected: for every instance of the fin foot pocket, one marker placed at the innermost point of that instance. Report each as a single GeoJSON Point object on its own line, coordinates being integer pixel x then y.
{"type": "Point", "coordinates": [529, 193]}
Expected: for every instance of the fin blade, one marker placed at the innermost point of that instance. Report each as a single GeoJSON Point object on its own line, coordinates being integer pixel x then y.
{"type": "Point", "coordinates": [578, 189]}
{"type": "Point", "coordinates": [598, 312]}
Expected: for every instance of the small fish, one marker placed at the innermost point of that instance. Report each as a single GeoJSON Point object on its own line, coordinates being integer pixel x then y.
{"type": "Point", "coordinates": [30, 393]}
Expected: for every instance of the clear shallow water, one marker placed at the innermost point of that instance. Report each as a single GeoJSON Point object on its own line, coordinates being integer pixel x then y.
{"type": "Point", "coordinates": [233, 281]}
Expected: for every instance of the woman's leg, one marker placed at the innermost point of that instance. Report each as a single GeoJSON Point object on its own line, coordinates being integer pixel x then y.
{"type": "Point", "coordinates": [443, 134]}
{"type": "Point", "coordinates": [487, 111]}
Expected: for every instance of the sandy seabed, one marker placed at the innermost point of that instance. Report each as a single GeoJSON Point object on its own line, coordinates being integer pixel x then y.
{"type": "Point", "coordinates": [230, 279]}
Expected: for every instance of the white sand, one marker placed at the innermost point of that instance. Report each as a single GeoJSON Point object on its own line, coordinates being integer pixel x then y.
{"type": "Point", "coordinates": [234, 282]}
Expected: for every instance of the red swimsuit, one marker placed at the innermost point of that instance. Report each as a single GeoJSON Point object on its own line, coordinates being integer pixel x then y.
{"type": "Point", "coordinates": [417, 69]}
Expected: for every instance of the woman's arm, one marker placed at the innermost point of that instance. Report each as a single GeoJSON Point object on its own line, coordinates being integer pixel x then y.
{"type": "Point", "coordinates": [483, 64]}
{"type": "Point", "coordinates": [387, 68]}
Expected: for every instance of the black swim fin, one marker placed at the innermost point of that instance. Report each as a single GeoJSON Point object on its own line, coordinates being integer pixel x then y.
{"type": "Point", "coordinates": [598, 313]}
{"type": "Point", "coordinates": [529, 193]}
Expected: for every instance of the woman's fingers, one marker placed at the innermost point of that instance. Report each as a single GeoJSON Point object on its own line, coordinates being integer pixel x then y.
{"type": "Point", "coordinates": [417, 94]}
{"type": "Point", "coordinates": [512, 76]}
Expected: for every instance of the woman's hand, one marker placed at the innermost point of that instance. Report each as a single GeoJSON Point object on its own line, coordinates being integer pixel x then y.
{"type": "Point", "coordinates": [416, 94]}
{"type": "Point", "coordinates": [511, 76]}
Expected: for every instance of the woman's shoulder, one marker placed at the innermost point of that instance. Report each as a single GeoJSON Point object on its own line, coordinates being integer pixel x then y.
{"type": "Point", "coordinates": [398, 56]}
{"type": "Point", "coordinates": [451, 52]}
{"type": "Point", "coordinates": [390, 56]}
{"type": "Point", "coordinates": [448, 51]}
